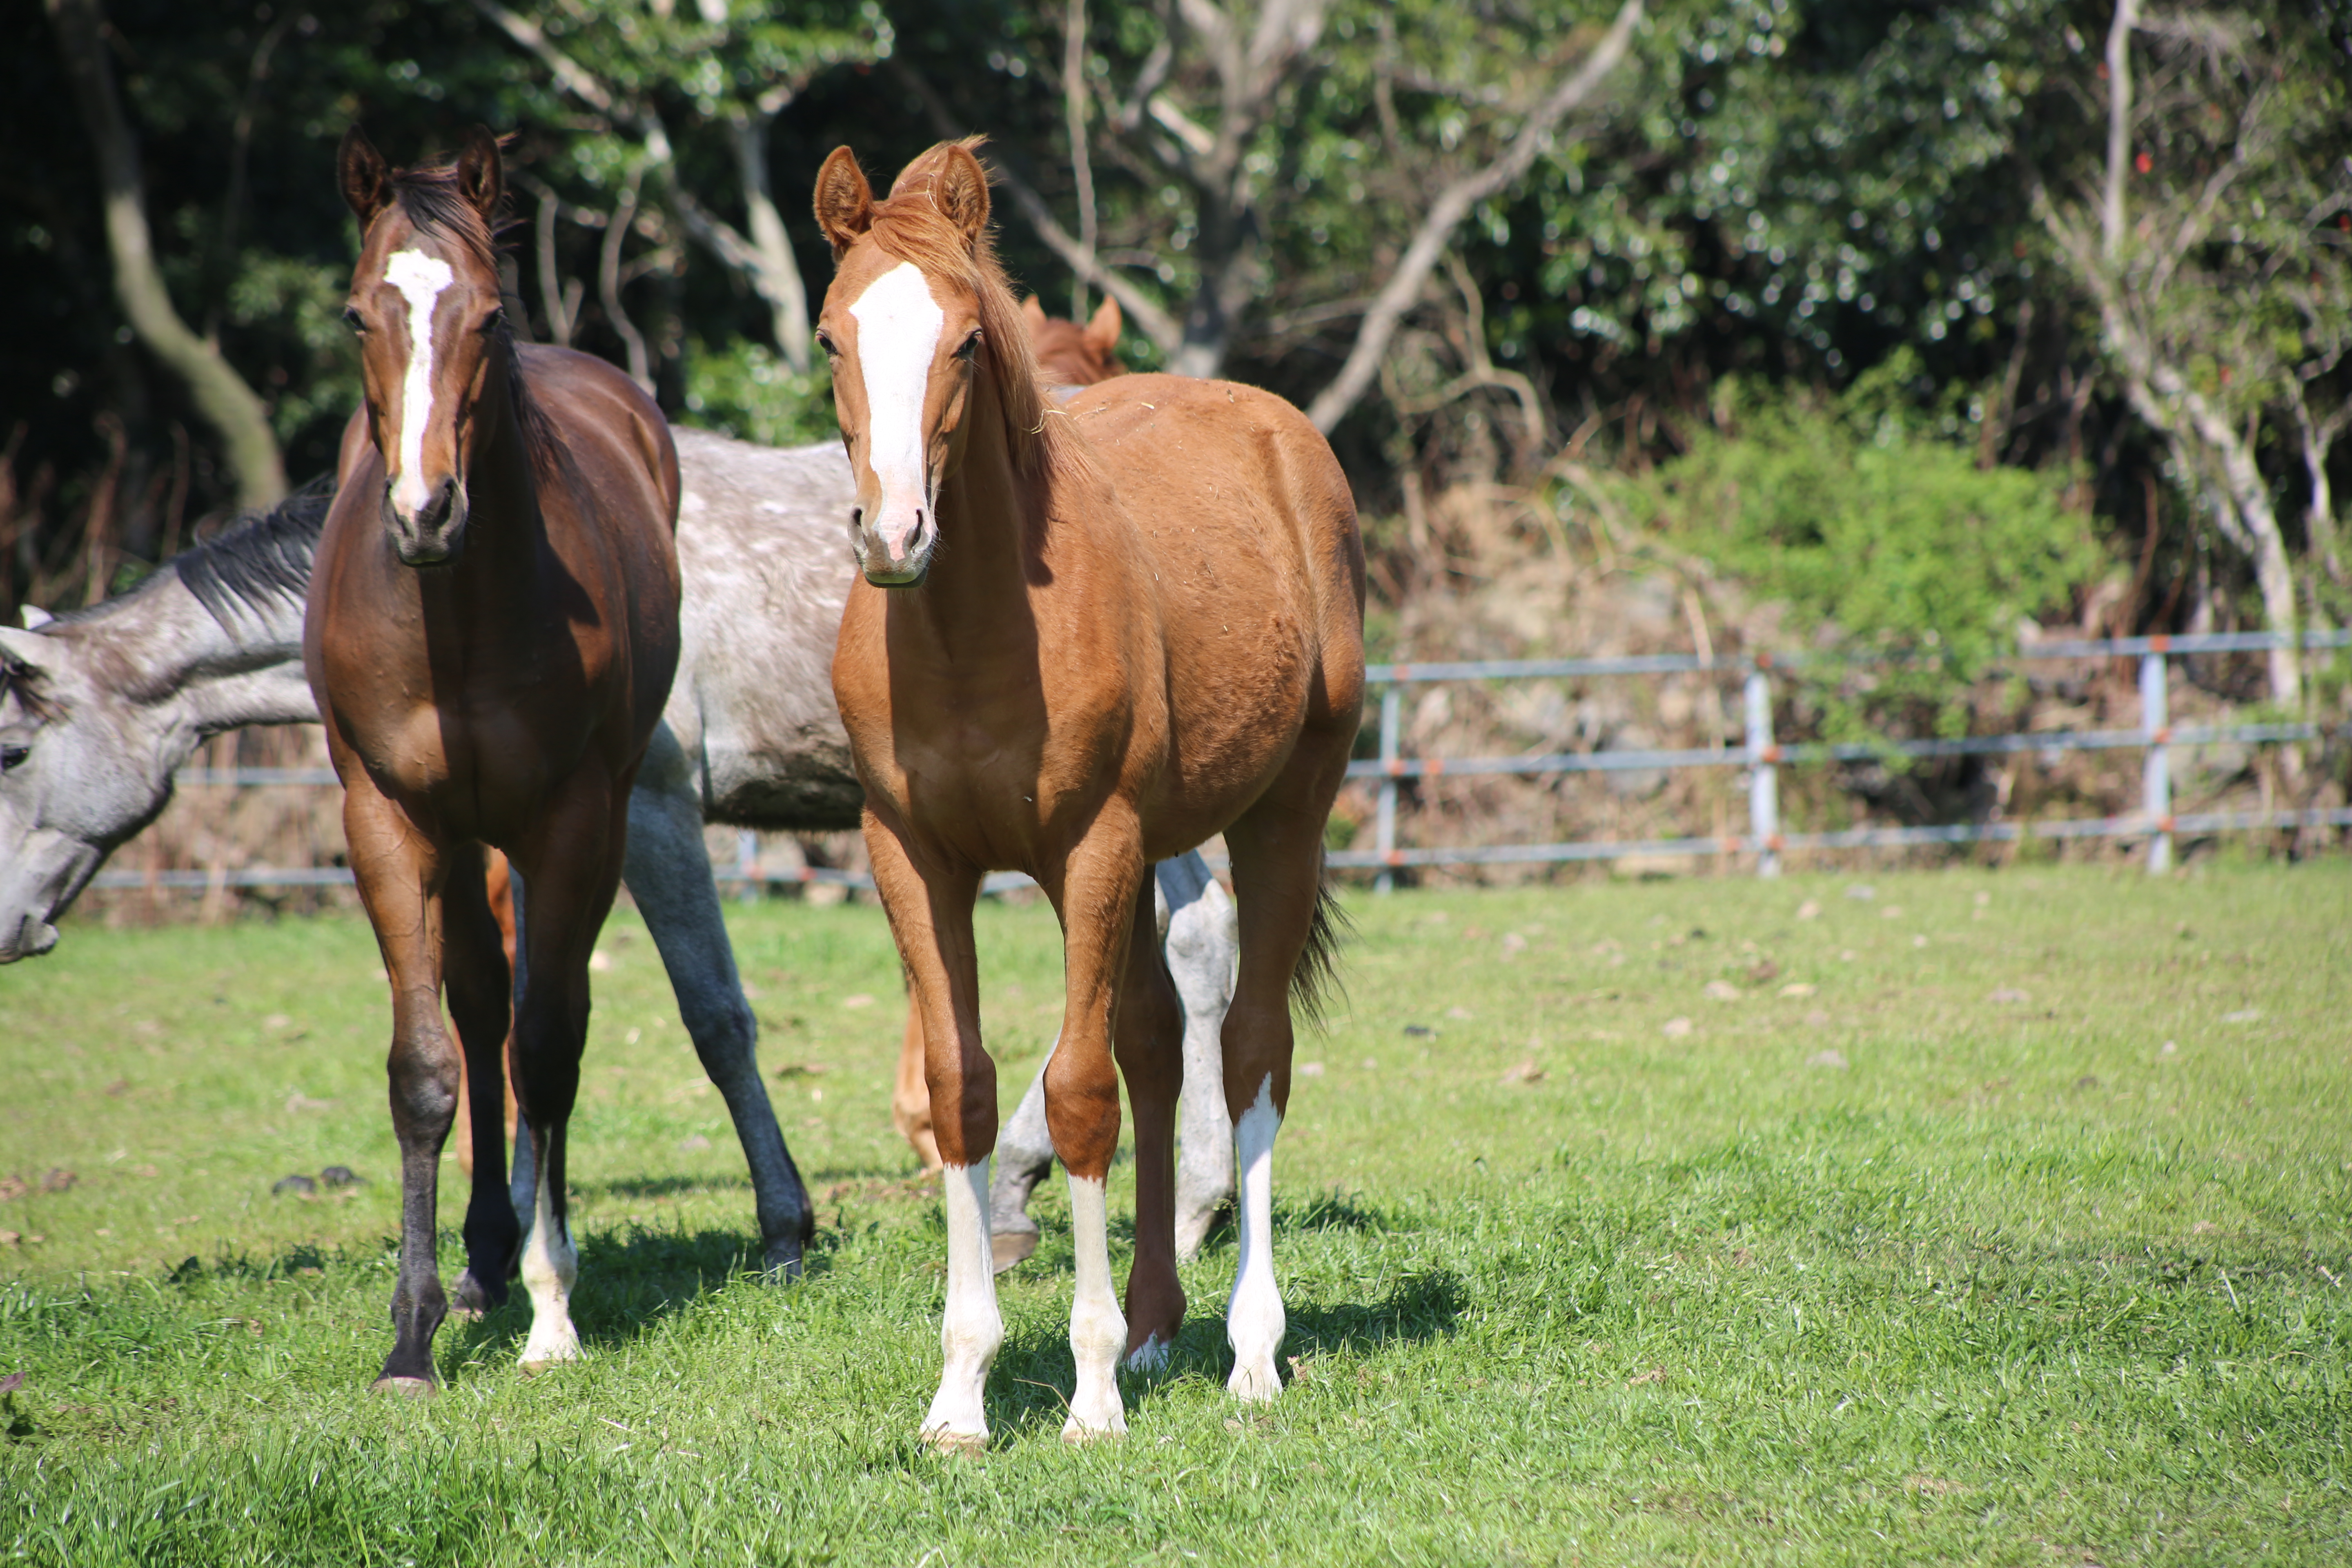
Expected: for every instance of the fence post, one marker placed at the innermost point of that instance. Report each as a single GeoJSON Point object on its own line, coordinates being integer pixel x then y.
{"type": "Point", "coordinates": [1384, 827]}
{"type": "Point", "coordinates": [2156, 773]}
{"type": "Point", "coordinates": [1763, 776]}
{"type": "Point", "coordinates": [746, 865]}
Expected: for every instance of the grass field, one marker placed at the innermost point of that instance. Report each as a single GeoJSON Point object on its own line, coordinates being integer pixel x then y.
{"type": "Point", "coordinates": [2022, 1237]}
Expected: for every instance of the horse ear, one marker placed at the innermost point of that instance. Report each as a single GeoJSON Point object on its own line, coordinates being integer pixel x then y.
{"type": "Point", "coordinates": [1102, 333]}
{"type": "Point", "coordinates": [961, 193]}
{"type": "Point", "coordinates": [482, 175]}
{"type": "Point", "coordinates": [24, 653]}
{"type": "Point", "coordinates": [845, 201]}
{"type": "Point", "coordinates": [1033, 313]}
{"type": "Point", "coordinates": [366, 181]}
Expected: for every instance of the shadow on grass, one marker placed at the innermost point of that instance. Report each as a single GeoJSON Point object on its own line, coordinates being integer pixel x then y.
{"type": "Point", "coordinates": [661, 1186]}
{"type": "Point", "coordinates": [1029, 1388]}
{"type": "Point", "coordinates": [629, 1282]}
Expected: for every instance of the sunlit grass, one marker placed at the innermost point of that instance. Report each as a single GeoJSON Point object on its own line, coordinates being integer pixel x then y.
{"type": "Point", "coordinates": [2020, 1236]}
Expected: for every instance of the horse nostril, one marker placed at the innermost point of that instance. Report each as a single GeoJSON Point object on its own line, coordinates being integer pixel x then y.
{"type": "Point", "coordinates": [857, 517]}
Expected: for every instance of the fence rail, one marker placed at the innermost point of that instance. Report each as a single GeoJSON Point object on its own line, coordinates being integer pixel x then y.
{"type": "Point", "coordinates": [1760, 754]}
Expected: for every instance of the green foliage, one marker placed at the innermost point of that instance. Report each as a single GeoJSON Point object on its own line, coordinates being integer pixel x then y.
{"type": "Point", "coordinates": [1862, 522]}
{"type": "Point", "coordinates": [747, 391]}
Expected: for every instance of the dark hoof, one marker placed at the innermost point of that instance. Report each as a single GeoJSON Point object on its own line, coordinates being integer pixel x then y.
{"type": "Point", "coordinates": [1008, 1247]}
{"type": "Point", "coordinates": [414, 1387]}
{"type": "Point", "coordinates": [299, 1185]}
{"type": "Point", "coordinates": [781, 1265]}
{"type": "Point", "coordinates": [469, 1299]}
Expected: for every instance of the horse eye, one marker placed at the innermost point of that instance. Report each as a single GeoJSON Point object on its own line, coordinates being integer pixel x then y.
{"type": "Point", "coordinates": [12, 754]}
{"type": "Point", "coordinates": [492, 323]}
{"type": "Point", "coordinates": [351, 319]}
{"type": "Point", "coordinates": [970, 345]}
{"type": "Point", "coordinates": [826, 344]}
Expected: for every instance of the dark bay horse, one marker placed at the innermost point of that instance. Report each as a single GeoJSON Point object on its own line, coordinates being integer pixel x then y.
{"type": "Point", "coordinates": [492, 628]}
{"type": "Point", "coordinates": [1086, 639]}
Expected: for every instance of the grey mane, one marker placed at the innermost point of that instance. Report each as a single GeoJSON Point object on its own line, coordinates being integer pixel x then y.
{"type": "Point", "coordinates": [259, 564]}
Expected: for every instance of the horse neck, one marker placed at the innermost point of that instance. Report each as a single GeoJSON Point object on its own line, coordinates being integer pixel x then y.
{"type": "Point", "coordinates": [164, 650]}
{"type": "Point", "coordinates": [501, 487]}
{"type": "Point", "coordinates": [991, 532]}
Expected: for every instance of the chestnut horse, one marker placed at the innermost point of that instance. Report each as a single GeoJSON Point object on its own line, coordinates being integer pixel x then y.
{"type": "Point", "coordinates": [1071, 358]}
{"type": "Point", "coordinates": [491, 633]}
{"type": "Point", "coordinates": [1085, 638]}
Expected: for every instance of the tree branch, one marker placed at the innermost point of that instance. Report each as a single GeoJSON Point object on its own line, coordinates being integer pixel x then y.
{"type": "Point", "coordinates": [2119, 109]}
{"type": "Point", "coordinates": [1141, 308]}
{"type": "Point", "coordinates": [1452, 205]}
{"type": "Point", "coordinates": [220, 394]}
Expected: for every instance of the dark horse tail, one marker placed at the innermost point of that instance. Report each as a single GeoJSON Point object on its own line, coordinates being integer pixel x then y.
{"type": "Point", "coordinates": [1315, 983]}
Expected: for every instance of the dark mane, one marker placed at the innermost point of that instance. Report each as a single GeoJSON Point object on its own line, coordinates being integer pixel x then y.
{"type": "Point", "coordinates": [432, 200]}
{"type": "Point", "coordinates": [264, 557]}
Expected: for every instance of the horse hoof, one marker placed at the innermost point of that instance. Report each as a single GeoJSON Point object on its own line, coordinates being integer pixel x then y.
{"type": "Point", "coordinates": [414, 1387]}
{"type": "Point", "coordinates": [1076, 1435]}
{"type": "Point", "coordinates": [1011, 1247]}
{"type": "Point", "coordinates": [956, 1445]}
{"type": "Point", "coordinates": [1253, 1385]}
{"type": "Point", "coordinates": [782, 1263]}
{"type": "Point", "coordinates": [469, 1299]}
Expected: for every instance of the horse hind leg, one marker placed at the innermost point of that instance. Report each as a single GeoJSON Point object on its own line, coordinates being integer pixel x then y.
{"type": "Point", "coordinates": [1148, 1031]}
{"type": "Point", "coordinates": [1201, 944]}
{"type": "Point", "coordinates": [668, 873]}
{"type": "Point", "coordinates": [1285, 944]}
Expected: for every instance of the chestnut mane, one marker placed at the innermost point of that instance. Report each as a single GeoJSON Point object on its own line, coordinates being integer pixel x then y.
{"type": "Point", "coordinates": [909, 227]}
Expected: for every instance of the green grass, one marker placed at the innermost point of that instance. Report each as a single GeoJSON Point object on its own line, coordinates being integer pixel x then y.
{"type": "Point", "coordinates": [2054, 1277]}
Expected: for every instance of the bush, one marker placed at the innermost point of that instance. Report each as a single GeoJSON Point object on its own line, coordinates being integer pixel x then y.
{"type": "Point", "coordinates": [1861, 523]}
{"type": "Point", "coordinates": [747, 392]}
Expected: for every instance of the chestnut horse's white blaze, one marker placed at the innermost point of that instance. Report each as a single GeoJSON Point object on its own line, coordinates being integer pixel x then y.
{"type": "Point", "coordinates": [898, 326]}
{"type": "Point", "coordinates": [972, 1329]}
{"type": "Point", "coordinates": [420, 280]}
{"type": "Point", "coordinates": [1255, 1320]}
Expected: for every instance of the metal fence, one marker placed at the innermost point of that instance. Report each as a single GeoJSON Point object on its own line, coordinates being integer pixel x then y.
{"type": "Point", "coordinates": [1760, 754]}
{"type": "Point", "coordinates": [1763, 757]}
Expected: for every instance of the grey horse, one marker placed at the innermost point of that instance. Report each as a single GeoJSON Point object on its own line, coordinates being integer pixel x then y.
{"type": "Point", "coordinates": [99, 707]}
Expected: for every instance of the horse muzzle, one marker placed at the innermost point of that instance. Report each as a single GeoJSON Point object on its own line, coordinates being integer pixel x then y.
{"type": "Point", "coordinates": [894, 556]}
{"type": "Point", "coordinates": [433, 534]}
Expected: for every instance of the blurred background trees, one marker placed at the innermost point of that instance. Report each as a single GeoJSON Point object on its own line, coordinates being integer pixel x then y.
{"type": "Point", "coordinates": [1798, 299]}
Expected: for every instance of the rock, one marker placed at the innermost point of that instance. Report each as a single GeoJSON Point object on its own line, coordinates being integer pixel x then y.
{"type": "Point", "coordinates": [1811, 910]}
{"type": "Point", "coordinates": [1310, 1070]}
{"type": "Point", "coordinates": [1526, 1072]}
{"type": "Point", "coordinates": [1676, 1028]}
{"type": "Point", "coordinates": [859, 1000]}
{"type": "Point", "coordinates": [1722, 991]}
{"type": "Point", "coordinates": [1461, 1013]}
{"type": "Point", "coordinates": [58, 1180]}
{"type": "Point", "coordinates": [1862, 890]}
{"type": "Point", "coordinates": [2006, 996]}
{"type": "Point", "coordinates": [340, 1177]}
{"type": "Point", "coordinates": [1763, 972]}
{"type": "Point", "coordinates": [1797, 988]}
{"type": "Point", "coordinates": [694, 1141]}
{"type": "Point", "coordinates": [1833, 1059]}
{"type": "Point", "coordinates": [301, 1185]}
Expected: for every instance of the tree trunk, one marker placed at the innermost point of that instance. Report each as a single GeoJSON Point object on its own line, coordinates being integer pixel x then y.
{"type": "Point", "coordinates": [778, 275]}
{"type": "Point", "coordinates": [219, 393]}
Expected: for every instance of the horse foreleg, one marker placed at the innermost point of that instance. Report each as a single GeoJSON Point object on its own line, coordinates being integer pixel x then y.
{"type": "Point", "coordinates": [399, 870]}
{"type": "Point", "coordinates": [564, 878]}
{"type": "Point", "coordinates": [1102, 901]}
{"type": "Point", "coordinates": [930, 917]}
{"type": "Point", "coordinates": [668, 874]}
{"type": "Point", "coordinates": [1203, 945]}
{"type": "Point", "coordinates": [481, 1002]}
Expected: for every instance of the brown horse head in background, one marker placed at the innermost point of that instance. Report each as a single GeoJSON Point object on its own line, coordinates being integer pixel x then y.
{"type": "Point", "coordinates": [1086, 637]}
{"type": "Point", "coordinates": [491, 631]}
{"type": "Point", "coordinates": [1070, 355]}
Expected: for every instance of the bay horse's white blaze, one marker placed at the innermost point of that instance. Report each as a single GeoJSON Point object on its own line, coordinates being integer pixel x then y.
{"type": "Point", "coordinates": [420, 280]}
{"type": "Point", "coordinates": [972, 1327]}
{"type": "Point", "coordinates": [898, 326]}
{"type": "Point", "coordinates": [1097, 1328]}
{"type": "Point", "coordinates": [1255, 1321]}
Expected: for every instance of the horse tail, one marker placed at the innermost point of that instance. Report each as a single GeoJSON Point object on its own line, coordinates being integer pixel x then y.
{"type": "Point", "coordinates": [1315, 983]}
